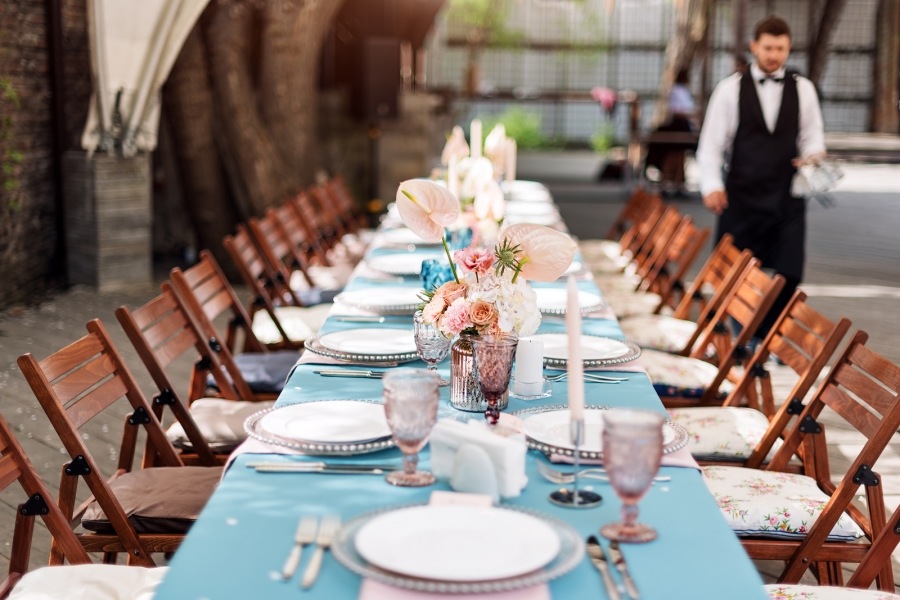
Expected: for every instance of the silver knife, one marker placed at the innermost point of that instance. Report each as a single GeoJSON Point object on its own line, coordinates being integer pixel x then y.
{"type": "Point", "coordinates": [619, 561]}
{"type": "Point", "coordinates": [349, 373]}
{"type": "Point", "coordinates": [598, 557]}
{"type": "Point", "coordinates": [296, 468]}
{"type": "Point", "coordinates": [359, 319]}
{"type": "Point", "coordinates": [313, 466]}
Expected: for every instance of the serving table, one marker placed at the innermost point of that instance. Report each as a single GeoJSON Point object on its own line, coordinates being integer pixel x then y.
{"type": "Point", "coordinates": [240, 542]}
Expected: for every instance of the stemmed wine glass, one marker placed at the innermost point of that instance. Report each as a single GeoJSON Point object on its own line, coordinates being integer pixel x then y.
{"type": "Point", "coordinates": [632, 450]}
{"type": "Point", "coordinates": [410, 406]}
{"type": "Point", "coordinates": [494, 356]}
{"type": "Point", "coordinates": [432, 345]}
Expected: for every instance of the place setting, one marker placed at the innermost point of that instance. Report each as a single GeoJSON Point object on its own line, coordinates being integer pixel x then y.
{"type": "Point", "coordinates": [400, 263]}
{"type": "Point", "coordinates": [366, 345]}
{"type": "Point", "coordinates": [380, 301]}
{"type": "Point", "coordinates": [554, 301]}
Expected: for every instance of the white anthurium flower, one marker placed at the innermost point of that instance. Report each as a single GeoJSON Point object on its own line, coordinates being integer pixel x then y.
{"type": "Point", "coordinates": [426, 208]}
{"type": "Point", "coordinates": [495, 142]}
{"type": "Point", "coordinates": [474, 172]}
{"type": "Point", "coordinates": [456, 146]}
{"type": "Point", "coordinates": [489, 201]}
{"type": "Point", "coordinates": [542, 254]}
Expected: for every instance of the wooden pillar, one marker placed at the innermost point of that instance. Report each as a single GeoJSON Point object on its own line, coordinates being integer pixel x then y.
{"type": "Point", "coordinates": [886, 67]}
{"type": "Point", "coordinates": [108, 223]}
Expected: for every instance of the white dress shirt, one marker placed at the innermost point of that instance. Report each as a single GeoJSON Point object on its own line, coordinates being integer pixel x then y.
{"type": "Point", "coordinates": [721, 123]}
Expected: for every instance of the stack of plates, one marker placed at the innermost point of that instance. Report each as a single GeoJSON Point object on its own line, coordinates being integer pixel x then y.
{"type": "Point", "coordinates": [365, 345]}
{"type": "Point", "coordinates": [547, 429]}
{"type": "Point", "coordinates": [458, 549]}
{"type": "Point", "coordinates": [596, 351]}
{"type": "Point", "coordinates": [383, 300]}
{"type": "Point", "coordinates": [328, 427]}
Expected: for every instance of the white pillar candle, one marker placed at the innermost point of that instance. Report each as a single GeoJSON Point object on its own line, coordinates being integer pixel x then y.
{"type": "Point", "coordinates": [529, 380]}
{"type": "Point", "coordinates": [574, 360]}
{"type": "Point", "coordinates": [452, 177]}
{"type": "Point", "coordinates": [475, 141]}
{"type": "Point", "coordinates": [511, 150]}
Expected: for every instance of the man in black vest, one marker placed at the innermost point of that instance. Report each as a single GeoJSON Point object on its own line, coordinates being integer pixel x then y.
{"type": "Point", "coordinates": [760, 126]}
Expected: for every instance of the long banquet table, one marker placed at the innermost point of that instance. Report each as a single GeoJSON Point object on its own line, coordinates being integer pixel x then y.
{"type": "Point", "coordinates": [240, 542]}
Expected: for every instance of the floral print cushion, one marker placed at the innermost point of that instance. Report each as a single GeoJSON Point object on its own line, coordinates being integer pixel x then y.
{"type": "Point", "coordinates": [680, 376]}
{"type": "Point", "coordinates": [723, 432]}
{"type": "Point", "coordinates": [772, 504]}
{"type": "Point", "coordinates": [783, 591]}
{"type": "Point", "coordinates": [659, 332]}
{"type": "Point", "coordinates": [629, 303]}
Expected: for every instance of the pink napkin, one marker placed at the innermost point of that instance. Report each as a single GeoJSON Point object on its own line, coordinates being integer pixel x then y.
{"type": "Point", "coordinates": [374, 590]}
{"type": "Point", "coordinates": [679, 458]}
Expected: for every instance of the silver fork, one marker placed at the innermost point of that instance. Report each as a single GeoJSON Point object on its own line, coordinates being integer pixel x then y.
{"type": "Point", "coordinates": [305, 534]}
{"type": "Point", "coordinates": [563, 477]}
{"type": "Point", "coordinates": [588, 377]}
{"type": "Point", "coordinates": [327, 530]}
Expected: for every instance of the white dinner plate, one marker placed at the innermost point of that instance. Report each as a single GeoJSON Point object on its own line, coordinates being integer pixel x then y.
{"type": "Point", "coordinates": [401, 263]}
{"type": "Point", "coordinates": [402, 235]}
{"type": "Point", "coordinates": [593, 347]}
{"type": "Point", "coordinates": [574, 267]}
{"type": "Point", "coordinates": [529, 209]}
{"type": "Point", "coordinates": [555, 301]}
{"type": "Point", "coordinates": [553, 428]}
{"type": "Point", "coordinates": [548, 220]}
{"type": "Point", "coordinates": [457, 543]}
{"type": "Point", "coordinates": [382, 299]}
{"type": "Point", "coordinates": [328, 422]}
{"type": "Point", "coordinates": [370, 341]}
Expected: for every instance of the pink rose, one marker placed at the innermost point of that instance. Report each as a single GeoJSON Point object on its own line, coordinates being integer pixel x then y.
{"type": "Point", "coordinates": [482, 313]}
{"type": "Point", "coordinates": [475, 259]}
{"type": "Point", "coordinates": [433, 310]}
{"type": "Point", "coordinates": [456, 318]}
{"type": "Point", "coordinates": [450, 292]}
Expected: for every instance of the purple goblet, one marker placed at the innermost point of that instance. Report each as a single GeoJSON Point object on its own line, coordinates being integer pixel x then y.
{"type": "Point", "coordinates": [494, 355]}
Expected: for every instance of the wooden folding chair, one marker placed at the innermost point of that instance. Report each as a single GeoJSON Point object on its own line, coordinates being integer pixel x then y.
{"type": "Point", "coordinates": [279, 316]}
{"type": "Point", "coordinates": [207, 428]}
{"type": "Point", "coordinates": [339, 190]}
{"type": "Point", "coordinates": [635, 208]}
{"type": "Point", "coordinates": [137, 512]}
{"type": "Point", "coordinates": [320, 226]}
{"type": "Point", "coordinates": [305, 244]}
{"type": "Point", "coordinates": [59, 581]}
{"type": "Point", "coordinates": [327, 206]}
{"type": "Point", "coordinates": [679, 332]}
{"type": "Point", "coordinates": [809, 522]}
{"type": "Point", "coordinates": [749, 435]}
{"type": "Point", "coordinates": [666, 278]}
{"type": "Point", "coordinates": [205, 293]}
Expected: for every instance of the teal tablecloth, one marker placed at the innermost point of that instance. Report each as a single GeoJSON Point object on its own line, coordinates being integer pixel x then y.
{"type": "Point", "coordinates": [243, 536]}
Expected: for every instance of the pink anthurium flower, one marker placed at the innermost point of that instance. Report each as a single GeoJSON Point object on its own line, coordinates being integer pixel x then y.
{"type": "Point", "coordinates": [536, 252]}
{"type": "Point", "coordinates": [489, 201]}
{"type": "Point", "coordinates": [426, 208]}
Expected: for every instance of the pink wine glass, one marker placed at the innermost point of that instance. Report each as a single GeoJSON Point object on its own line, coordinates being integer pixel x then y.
{"type": "Point", "coordinates": [494, 355]}
{"type": "Point", "coordinates": [410, 406]}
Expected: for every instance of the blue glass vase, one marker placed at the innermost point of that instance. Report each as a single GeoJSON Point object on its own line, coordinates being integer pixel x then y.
{"type": "Point", "coordinates": [435, 273]}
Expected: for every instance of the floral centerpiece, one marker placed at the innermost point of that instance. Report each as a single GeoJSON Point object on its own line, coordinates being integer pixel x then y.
{"type": "Point", "coordinates": [489, 293]}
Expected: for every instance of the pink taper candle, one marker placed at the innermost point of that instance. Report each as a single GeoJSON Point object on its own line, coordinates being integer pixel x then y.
{"type": "Point", "coordinates": [575, 363]}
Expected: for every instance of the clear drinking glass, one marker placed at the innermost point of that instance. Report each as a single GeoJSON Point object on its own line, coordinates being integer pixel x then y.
{"type": "Point", "coordinates": [494, 355]}
{"type": "Point", "coordinates": [432, 346]}
{"type": "Point", "coordinates": [410, 405]}
{"type": "Point", "coordinates": [632, 450]}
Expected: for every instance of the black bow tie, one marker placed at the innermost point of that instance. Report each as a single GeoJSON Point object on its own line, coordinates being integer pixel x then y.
{"type": "Point", "coordinates": [771, 78]}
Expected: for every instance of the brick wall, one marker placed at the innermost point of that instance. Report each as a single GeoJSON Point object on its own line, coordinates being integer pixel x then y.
{"type": "Point", "coordinates": [28, 231]}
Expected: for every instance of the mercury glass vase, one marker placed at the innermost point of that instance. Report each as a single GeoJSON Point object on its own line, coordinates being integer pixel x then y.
{"type": "Point", "coordinates": [465, 393]}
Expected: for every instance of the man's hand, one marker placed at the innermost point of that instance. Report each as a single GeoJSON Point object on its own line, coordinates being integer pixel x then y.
{"type": "Point", "coordinates": [716, 201]}
{"type": "Point", "coordinates": [812, 159]}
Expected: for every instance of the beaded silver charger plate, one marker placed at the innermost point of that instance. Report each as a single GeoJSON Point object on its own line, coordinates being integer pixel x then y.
{"type": "Point", "coordinates": [392, 300]}
{"type": "Point", "coordinates": [315, 345]}
{"type": "Point", "coordinates": [570, 555]}
{"type": "Point", "coordinates": [598, 351]}
{"type": "Point", "coordinates": [675, 437]}
{"type": "Point", "coordinates": [256, 430]}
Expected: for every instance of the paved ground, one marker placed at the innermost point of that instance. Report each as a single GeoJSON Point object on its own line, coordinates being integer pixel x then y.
{"type": "Point", "coordinates": [853, 270]}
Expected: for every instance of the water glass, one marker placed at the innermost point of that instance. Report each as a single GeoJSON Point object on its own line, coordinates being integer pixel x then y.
{"type": "Point", "coordinates": [432, 345]}
{"type": "Point", "coordinates": [632, 450]}
{"type": "Point", "coordinates": [410, 406]}
{"type": "Point", "coordinates": [494, 356]}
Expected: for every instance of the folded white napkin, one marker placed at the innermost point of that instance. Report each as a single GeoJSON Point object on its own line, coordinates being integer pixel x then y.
{"type": "Point", "coordinates": [460, 451]}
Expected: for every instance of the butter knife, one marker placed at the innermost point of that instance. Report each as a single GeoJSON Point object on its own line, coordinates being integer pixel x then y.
{"type": "Point", "coordinates": [349, 373]}
{"type": "Point", "coordinates": [296, 468]}
{"type": "Point", "coordinates": [616, 553]}
{"type": "Point", "coordinates": [314, 466]}
{"type": "Point", "coordinates": [598, 558]}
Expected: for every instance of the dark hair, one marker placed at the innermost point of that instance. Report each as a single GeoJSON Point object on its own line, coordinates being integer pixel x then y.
{"type": "Point", "coordinates": [771, 25]}
{"type": "Point", "coordinates": [683, 76]}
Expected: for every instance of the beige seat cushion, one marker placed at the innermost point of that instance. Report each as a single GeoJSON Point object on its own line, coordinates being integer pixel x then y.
{"type": "Point", "coordinates": [681, 376]}
{"type": "Point", "coordinates": [221, 423]}
{"type": "Point", "coordinates": [723, 432]}
{"type": "Point", "coordinates": [158, 500]}
{"type": "Point", "coordinates": [783, 591]}
{"type": "Point", "coordinates": [89, 582]}
{"type": "Point", "coordinates": [299, 323]}
{"type": "Point", "coordinates": [326, 278]}
{"type": "Point", "coordinates": [771, 504]}
{"type": "Point", "coordinates": [659, 332]}
{"type": "Point", "coordinates": [629, 303]}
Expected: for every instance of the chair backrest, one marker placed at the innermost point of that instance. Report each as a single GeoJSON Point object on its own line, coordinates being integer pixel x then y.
{"type": "Point", "coordinates": [713, 282]}
{"type": "Point", "coordinates": [162, 332]}
{"type": "Point", "coordinates": [863, 390]}
{"type": "Point", "coordinates": [640, 231]}
{"type": "Point", "coordinates": [205, 291]}
{"type": "Point", "coordinates": [75, 385]}
{"type": "Point", "coordinates": [877, 561]}
{"type": "Point", "coordinates": [667, 275]}
{"type": "Point", "coordinates": [339, 190]}
{"type": "Point", "coordinates": [634, 210]}
{"type": "Point", "coordinates": [38, 502]}
{"type": "Point", "coordinates": [305, 241]}
{"type": "Point", "coordinates": [320, 227]}
{"type": "Point", "coordinates": [804, 340]}
{"type": "Point", "coordinates": [327, 206]}
{"type": "Point", "coordinates": [655, 248]}
{"type": "Point", "coordinates": [282, 258]}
